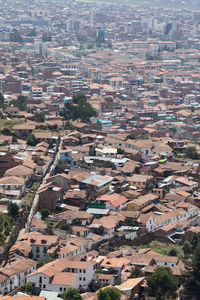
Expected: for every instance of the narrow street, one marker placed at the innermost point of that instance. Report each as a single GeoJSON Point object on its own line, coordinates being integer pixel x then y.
{"type": "Point", "coordinates": [36, 197]}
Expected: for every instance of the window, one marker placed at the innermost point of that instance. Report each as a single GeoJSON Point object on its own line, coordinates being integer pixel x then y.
{"type": "Point", "coordinates": [80, 278]}
{"type": "Point", "coordinates": [165, 264]}
{"type": "Point", "coordinates": [44, 286]}
{"type": "Point", "coordinates": [83, 271]}
{"type": "Point", "coordinates": [83, 278]}
{"type": "Point", "coordinates": [80, 270]}
{"type": "Point", "coordinates": [60, 289]}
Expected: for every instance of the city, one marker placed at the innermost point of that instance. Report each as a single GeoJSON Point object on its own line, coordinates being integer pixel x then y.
{"type": "Point", "coordinates": [99, 150]}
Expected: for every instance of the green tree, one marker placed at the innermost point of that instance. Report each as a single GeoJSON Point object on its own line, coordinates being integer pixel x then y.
{"type": "Point", "coordinates": [40, 117]}
{"type": "Point", "coordinates": [20, 103]}
{"type": "Point", "coordinates": [69, 126]}
{"type": "Point", "coordinates": [187, 248]}
{"type": "Point", "coordinates": [136, 272]}
{"type": "Point", "coordinates": [173, 252]}
{"type": "Point", "coordinates": [131, 137]}
{"type": "Point", "coordinates": [191, 152]}
{"type": "Point", "coordinates": [2, 103]}
{"type": "Point", "coordinates": [44, 212]}
{"type": "Point", "coordinates": [40, 264]}
{"type": "Point", "coordinates": [194, 241]}
{"type": "Point", "coordinates": [192, 275]}
{"type": "Point", "coordinates": [162, 284]}
{"type": "Point", "coordinates": [13, 209]}
{"type": "Point", "coordinates": [150, 186]}
{"type": "Point", "coordinates": [31, 140]}
{"type": "Point", "coordinates": [80, 108]}
{"type": "Point", "coordinates": [109, 293]}
{"type": "Point", "coordinates": [71, 294]}
{"type": "Point", "coordinates": [27, 288]}
{"type": "Point", "coordinates": [6, 131]}
{"type": "Point", "coordinates": [120, 151]}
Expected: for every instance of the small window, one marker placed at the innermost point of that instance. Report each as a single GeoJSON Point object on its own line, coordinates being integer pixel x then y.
{"type": "Point", "coordinates": [44, 286]}
{"type": "Point", "coordinates": [80, 278]}
{"type": "Point", "coordinates": [83, 278]}
{"type": "Point", "coordinates": [60, 289]}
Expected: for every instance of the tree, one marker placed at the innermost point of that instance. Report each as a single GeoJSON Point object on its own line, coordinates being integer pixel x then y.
{"type": "Point", "coordinates": [44, 212]}
{"type": "Point", "coordinates": [71, 294]}
{"type": "Point", "coordinates": [187, 248]}
{"type": "Point", "coordinates": [27, 288]}
{"type": "Point", "coordinates": [79, 109]}
{"type": "Point", "coordinates": [131, 137]}
{"type": "Point", "coordinates": [69, 126]}
{"type": "Point", "coordinates": [191, 152]}
{"type": "Point", "coordinates": [13, 209]}
{"type": "Point", "coordinates": [31, 140]}
{"type": "Point", "coordinates": [162, 284]}
{"type": "Point", "coordinates": [6, 131]}
{"type": "Point", "coordinates": [39, 117]}
{"type": "Point", "coordinates": [2, 103]}
{"type": "Point", "coordinates": [109, 293]}
{"type": "Point", "coordinates": [120, 151]}
{"type": "Point", "coordinates": [194, 241]}
{"type": "Point", "coordinates": [136, 272]}
{"type": "Point", "coordinates": [192, 275]}
{"type": "Point", "coordinates": [173, 252]}
{"type": "Point", "coordinates": [20, 103]}
{"type": "Point", "coordinates": [150, 186]}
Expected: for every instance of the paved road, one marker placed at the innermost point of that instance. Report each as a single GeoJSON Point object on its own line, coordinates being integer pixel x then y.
{"type": "Point", "coordinates": [36, 198]}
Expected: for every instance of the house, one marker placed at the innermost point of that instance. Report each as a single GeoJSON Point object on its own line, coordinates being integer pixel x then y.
{"type": "Point", "coordinates": [21, 172]}
{"type": "Point", "coordinates": [75, 217]}
{"type": "Point", "coordinates": [13, 274]}
{"type": "Point", "coordinates": [38, 225]}
{"type": "Point", "coordinates": [172, 217]}
{"type": "Point", "coordinates": [12, 111]}
{"type": "Point", "coordinates": [23, 130]}
{"type": "Point", "coordinates": [105, 279]}
{"type": "Point", "coordinates": [76, 197]}
{"type": "Point", "coordinates": [149, 147]}
{"type": "Point", "coordinates": [45, 136]}
{"type": "Point", "coordinates": [106, 225]}
{"type": "Point", "coordinates": [131, 287]}
{"type": "Point", "coordinates": [113, 201]}
{"type": "Point", "coordinates": [106, 152]}
{"type": "Point", "coordinates": [82, 127]}
{"type": "Point", "coordinates": [42, 246]}
{"type": "Point", "coordinates": [142, 201]}
{"type": "Point", "coordinates": [49, 194]}
{"type": "Point", "coordinates": [184, 181]}
{"type": "Point", "coordinates": [96, 184]}
{"type": "Point", "coordinates": [73, 245]}
{"type": "Point", "coordinates": [12, 186]}
{"type": "Point", "coordinates": [115, 264]}
{"type": "Point", "coordinates": [139, 180]}
{"type": "Point", "coordinates": [147, 221]}
{"type": "Point", "coordinates": [66, 156]}
{"type": "Point", "coordinates": [61, 180]}
{"type": "Point", "coordinates": [62, 273]}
